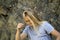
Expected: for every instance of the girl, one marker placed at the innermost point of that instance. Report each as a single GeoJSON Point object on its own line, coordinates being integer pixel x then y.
{"type": "Point", "coordinates": [35, 29]}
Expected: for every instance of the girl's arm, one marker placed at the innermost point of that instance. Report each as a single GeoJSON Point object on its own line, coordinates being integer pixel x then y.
{"type": "Point", "coordinates": [56, 34]}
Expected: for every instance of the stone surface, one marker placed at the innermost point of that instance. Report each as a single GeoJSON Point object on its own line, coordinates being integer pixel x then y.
{"type": "Point", "coordinates": [11, 14]}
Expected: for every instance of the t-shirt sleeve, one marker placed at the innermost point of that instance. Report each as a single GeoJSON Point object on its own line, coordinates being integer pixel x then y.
{"type": "Point", "coordinates": [48, 27]}
{"type": "Point", "coordinates": [25, 31]}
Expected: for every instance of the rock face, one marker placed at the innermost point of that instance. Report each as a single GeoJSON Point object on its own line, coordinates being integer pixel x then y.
{"type": "Point", "coordinates": [11, 14]}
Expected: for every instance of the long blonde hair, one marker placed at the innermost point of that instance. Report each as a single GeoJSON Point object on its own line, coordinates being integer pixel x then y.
{"type": "Point", "coordinates": [33, 18]}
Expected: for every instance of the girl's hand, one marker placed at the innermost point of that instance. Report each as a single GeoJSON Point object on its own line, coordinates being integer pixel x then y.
{"type": "Point", "coordinates": [20, 25]}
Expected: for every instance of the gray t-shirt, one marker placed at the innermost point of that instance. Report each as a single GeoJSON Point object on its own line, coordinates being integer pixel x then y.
{"type": "Point", "coordinates": [43, 32]}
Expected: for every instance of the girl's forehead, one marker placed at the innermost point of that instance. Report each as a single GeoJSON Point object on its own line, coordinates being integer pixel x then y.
{"type": "Point", "coordinates": [26, 18]}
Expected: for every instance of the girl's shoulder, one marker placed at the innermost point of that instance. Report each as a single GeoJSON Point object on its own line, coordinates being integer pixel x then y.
{"type": "Point", "coordinates": [43, 22]}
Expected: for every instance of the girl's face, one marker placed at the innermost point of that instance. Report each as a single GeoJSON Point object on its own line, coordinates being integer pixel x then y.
{"type": "Point", "coordinates": [28, 20]}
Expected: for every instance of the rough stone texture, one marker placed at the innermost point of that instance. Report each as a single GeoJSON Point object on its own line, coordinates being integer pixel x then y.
{"type": "Point", "coordinates": [11, 14]}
